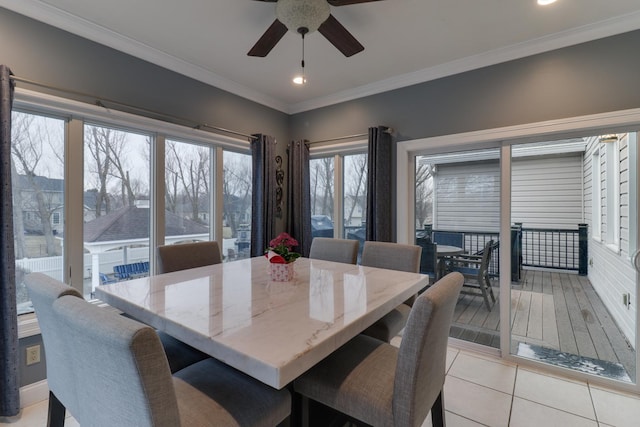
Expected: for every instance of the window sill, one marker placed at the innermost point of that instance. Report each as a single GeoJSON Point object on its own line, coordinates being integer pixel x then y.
{"type": "Point", "coordinates": [28, 323]}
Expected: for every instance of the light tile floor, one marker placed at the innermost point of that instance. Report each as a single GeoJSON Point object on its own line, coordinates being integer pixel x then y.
{"type": "Point", "coordinates": [485, 391]}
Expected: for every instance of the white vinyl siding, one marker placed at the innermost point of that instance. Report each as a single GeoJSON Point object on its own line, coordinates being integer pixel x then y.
{"type": "Point", "coordinates": [467, 197]}
{"type": "Point", "coordinates": [546, 192]}
{"type": "Point", "coordinates": [602, 259]}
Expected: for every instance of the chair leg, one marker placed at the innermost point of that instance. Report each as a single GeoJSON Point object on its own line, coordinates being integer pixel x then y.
{"type": "Point", "coordinates": [437, 412]}
{"type": "Point", "coordinates": [56, 415]}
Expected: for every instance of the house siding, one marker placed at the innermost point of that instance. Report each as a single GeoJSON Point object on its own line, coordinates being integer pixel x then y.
{"type": "Point", "coordinates": [546, 192]}
{"type": "Point", "coordinates": [604, 258]}
{"type": "Point", "coordinates": [467, 197]}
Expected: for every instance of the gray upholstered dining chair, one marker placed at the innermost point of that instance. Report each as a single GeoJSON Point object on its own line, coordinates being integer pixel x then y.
{"type": "Point", "coordinates": [43, 291]}
{"type": "Point", "coordinates": [178, 257]}
{"type": "Point", "coordinates": [381, 385]}
{"type": "Point", "coordinates": [393, 256]}
{"type": "Point", "coordinates": [188, 255]}
{"type": "Point", "coordinates": [122, 378]}
{"type": "Point", "coordinates": [336, 250]}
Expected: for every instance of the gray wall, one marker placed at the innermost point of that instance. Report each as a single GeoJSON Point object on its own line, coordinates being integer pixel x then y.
{"type": "Point", "coordinates": [589, 78]}
{"type": "Point", "coordinates": [45, 54]}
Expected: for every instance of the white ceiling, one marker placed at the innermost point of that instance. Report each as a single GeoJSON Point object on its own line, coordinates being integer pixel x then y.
{"type": "Point", "coordinates": [406, 41]}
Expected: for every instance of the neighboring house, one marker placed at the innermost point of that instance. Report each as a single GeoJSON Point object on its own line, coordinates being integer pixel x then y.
{"type": "Point", "coordinates": [126, 231]}
{"type": "Point", "coordinates": [52, 191]}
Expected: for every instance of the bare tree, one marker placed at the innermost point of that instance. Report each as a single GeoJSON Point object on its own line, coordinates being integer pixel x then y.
{"type": "Point", "coordinates": [424, 192]}
{"type": "Point", "coordinates": [236, 188]}
{"type": "Point", "coordinates": [29, 136]}
{"type": "Point", "coordinates": [356, 184]}
{"type": "Point", "coordinates": [322, 186]}
{"type": "Point", "coordinates": [187, 173]}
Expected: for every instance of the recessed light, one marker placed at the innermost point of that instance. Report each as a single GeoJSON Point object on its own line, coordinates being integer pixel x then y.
{"type": "Point", "coordinates": [299, 80]}
{"type": "Point", "coordinates": [545, 2]}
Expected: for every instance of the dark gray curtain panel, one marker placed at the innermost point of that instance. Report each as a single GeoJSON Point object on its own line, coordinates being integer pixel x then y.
{"type": "Point", "coordinates": [267, 191]}
{"type": "Point", "coordinates": [299, 197]}
{"type": "Point", "coordinates": [379, 188]}
{"type": "Point", "coordinates": [9, 388]}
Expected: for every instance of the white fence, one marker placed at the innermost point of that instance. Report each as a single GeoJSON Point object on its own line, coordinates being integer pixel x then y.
{"type": "Point", "coordinates": [52, 266]}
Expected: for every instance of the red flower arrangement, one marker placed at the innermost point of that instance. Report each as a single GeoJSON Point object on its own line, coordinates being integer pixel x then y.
{"type": "Point", "coordinates": [280, 249]}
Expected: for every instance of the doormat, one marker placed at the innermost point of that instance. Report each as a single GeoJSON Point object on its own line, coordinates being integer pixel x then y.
{"type": "Point", "coordinates": [588, 365]}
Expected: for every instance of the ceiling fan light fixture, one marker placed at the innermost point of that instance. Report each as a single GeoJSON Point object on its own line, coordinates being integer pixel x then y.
{"type": "Point", "coordinates": [296, 14]}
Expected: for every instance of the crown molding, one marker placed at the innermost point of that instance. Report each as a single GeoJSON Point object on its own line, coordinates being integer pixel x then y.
{"type": "Point", "coordinates": [53, 16]}
{"type": "Point", "coordinates": [567, 38]}
{"type": "Point", "coordinates": [73, 24]}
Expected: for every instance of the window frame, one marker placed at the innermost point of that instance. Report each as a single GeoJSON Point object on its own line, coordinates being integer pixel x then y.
{"type": "Point", "coordinates": [76, 114]}
{"type": "Point", "coordinates": [338, 151]}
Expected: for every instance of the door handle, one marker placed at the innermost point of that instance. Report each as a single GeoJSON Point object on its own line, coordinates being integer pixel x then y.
{"type": "Point", "coordinates": [636, 260]}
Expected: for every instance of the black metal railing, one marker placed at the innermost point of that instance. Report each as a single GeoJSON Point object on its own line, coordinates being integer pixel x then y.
{"type": "Point", "coordinates": [564, 249]}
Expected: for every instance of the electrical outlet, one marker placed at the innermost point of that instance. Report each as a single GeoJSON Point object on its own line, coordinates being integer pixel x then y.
{"type": "Point", "coordinates": [33, 355]}
{"type": "Point", "coordinates": [626, 300]}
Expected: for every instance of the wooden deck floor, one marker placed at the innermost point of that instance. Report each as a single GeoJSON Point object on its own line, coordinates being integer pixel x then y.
{"type": "Point", "coordinates": [554, 310]}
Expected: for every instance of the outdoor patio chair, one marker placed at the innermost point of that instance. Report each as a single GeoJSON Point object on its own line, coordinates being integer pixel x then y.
{"type": "Point", "coordinates": [450, 238]}
{"type": "Point", "coordinates": [475, 269]}
{"type": "Point", "coordinates": [382, 385]}
{"type": "Point", "coordinates": [429, 258]}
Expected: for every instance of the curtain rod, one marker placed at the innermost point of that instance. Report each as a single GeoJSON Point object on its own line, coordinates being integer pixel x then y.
{"type": "Point", "coordinates": [100, 103]}
{"type": "Point", "coordinates": [359, 135]}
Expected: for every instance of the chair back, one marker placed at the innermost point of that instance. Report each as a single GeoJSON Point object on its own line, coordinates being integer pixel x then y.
{"type": "Point", "coordinates": [120, 369]}
{"type": "Point", "coordinates": [393, 256]}
{"type": "Point", "coordinates": [188, 255]}
{"type": "Point", "coordinates": [429, 258]}
{"type": "Point", "coordinates": [44, 291]}
{"type": "Point", "coordinates": [336, 250]}
{"type": "Point", "coordinates": [486, 258]}
{"type": "Point", "coordinates": [451, 238]}
{"type": "Point", "coordinates": [420, 369]}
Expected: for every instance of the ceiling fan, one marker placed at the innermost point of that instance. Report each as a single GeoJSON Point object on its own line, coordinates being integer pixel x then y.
{"type": "Point", "coordinates": [306, 16]}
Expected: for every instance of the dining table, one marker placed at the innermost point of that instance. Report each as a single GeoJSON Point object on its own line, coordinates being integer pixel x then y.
{"type": "Point", "coordinates": [272, 331]}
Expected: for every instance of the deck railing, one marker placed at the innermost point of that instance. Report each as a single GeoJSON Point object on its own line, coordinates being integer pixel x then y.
{"type": "Point", "coordinates": [563, 249]}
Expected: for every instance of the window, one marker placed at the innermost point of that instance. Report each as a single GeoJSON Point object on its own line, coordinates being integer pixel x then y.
{"type": "Point", "coordinates": [612, 196]}
{"type": "Point", "coordinates": [38, 189]}
{"type": "Point", "coordinates": [236, 191]}
{"type": "Point", "coordinates": [322, 188]}
{"type": "Point", "coordinates": [116, 204]}
{"type": "Point", "coordinates": [596, 207]}
{"type": "Point", "coordinates": [338, 182]}
{"type": "Point", "coordinates": [188, 179]}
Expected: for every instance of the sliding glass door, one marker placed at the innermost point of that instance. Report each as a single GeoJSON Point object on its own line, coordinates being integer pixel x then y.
{"type": "Point", "coordinates": [556, 204]}
{"type": "Point", "coordinates": [457, 223]}
{"type": "Point", "coordinates": [574, 211]}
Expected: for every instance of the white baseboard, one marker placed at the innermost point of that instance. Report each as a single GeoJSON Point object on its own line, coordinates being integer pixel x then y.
{"type": "Point", "coordinates": [34, 393]}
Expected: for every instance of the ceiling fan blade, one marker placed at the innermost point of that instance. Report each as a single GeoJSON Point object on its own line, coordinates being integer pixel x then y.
{"type": "Point", "coordinates": [340, 37]}
{"type": "Point", "coordinates": [347, 2]}
{"type": "Point", "coordinates": [269, 39]}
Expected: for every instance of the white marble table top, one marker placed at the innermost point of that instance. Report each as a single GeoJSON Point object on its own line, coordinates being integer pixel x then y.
{"type": "Point", "coordinates": [273, 331]}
